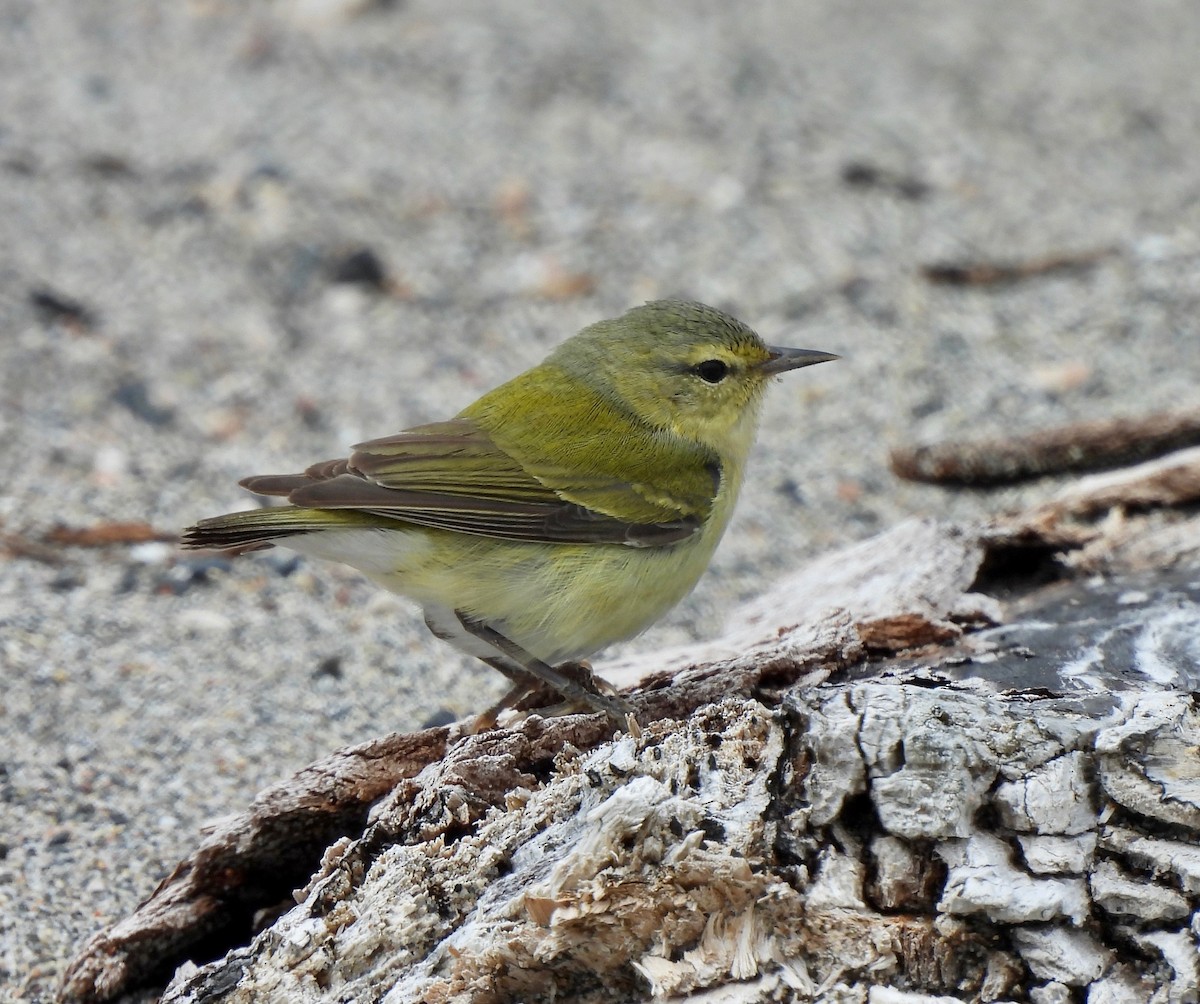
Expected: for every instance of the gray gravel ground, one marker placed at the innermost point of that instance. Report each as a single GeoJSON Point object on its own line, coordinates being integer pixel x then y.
{"type": "Point", "coordinates": [191, 174]}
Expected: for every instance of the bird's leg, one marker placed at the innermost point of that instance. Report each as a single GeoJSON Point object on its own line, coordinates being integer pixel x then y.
{"type": "Point", "coordinates": [569, 686]}
{"type": "Point", "coordinates": [540, 695]}
{"type": "Point", "coordinates": [529, 692]}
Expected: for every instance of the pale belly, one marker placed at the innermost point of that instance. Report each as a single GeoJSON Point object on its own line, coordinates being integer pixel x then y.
{"type": "Point", "coordinates": [558, 602]}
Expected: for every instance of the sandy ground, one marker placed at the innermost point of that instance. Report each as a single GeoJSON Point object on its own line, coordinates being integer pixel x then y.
{"type": "Point", "coordinates": [181, 186]}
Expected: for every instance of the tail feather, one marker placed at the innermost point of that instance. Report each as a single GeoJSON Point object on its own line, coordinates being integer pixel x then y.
{"type": "Point", "coordinates": [275, 484]}
{"type": "Point", "coordinates": [259, 527]}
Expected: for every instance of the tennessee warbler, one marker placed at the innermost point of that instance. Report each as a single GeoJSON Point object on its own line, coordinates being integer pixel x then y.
{"type": "Point", "coordinates": [567, 509]}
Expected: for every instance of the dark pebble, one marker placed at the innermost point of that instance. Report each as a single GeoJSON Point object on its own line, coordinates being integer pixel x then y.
{"type": "Point", "coordinates": [330, 667]}
{"type": "Point", "coordinates": [861, 174]}
{"type": "Point", "coordinates": [65, 581]}
{"type": "Point", "coordinates": [188, 572]}
{"type": "Point", "coordinates": [107, 165]}
{"type": "Point", "coordinates": [55, 308]}
{"type": "Point", "coordinates": [443, 717]}
{"type": "Point", "coordinates": [134, 395]}
{"type": "Point", "coordinates": [128, 583]}
{"type": "Point", "coordinates": [929, 406]}
{"type": "Point", "coordinates": [283, 563]}
{"type": "Point", "coordinates": [790, 489]}
{"type": "Point", "coordinates": [360, 267]}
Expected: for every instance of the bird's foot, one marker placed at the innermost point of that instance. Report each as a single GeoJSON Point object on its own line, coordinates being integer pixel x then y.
{"type": "Point", "coordinates": [591, 693]}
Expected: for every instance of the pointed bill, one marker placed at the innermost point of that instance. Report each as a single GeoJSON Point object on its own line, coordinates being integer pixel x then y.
{"type": "Point", "coordinates": [783, 359]}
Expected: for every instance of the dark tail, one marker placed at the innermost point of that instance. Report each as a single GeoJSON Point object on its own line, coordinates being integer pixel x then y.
{"type": "Point", "coordinates": [260, 527]}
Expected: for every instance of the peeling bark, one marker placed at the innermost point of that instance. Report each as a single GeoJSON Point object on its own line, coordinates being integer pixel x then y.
{"type": "Point", "coordinates": [882, 784]}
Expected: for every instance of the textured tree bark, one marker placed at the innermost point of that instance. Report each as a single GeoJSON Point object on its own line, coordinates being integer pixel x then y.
{"type": "Point", "coordinates": [946, 764]}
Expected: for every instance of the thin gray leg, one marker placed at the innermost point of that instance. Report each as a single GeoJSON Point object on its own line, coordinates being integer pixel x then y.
{"type": "Point", "coordinates": [616, 708]}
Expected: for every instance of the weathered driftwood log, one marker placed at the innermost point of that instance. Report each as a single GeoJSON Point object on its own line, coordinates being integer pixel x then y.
{"type": "Point", "coordinates": [881, 783]}
{"type": "Point", "coordinates": [1085, 446]}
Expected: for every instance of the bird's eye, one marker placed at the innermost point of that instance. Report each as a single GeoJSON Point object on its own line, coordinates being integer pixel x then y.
{"type": "Point", "coordinates": [712, 370]}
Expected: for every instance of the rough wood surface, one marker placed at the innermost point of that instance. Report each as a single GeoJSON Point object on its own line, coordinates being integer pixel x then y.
{"type": "Point", "coordinates": [881, 784]}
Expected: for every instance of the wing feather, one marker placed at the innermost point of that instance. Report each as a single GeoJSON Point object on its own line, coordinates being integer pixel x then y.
{"type": "Point", "coordinates": [453, 476]}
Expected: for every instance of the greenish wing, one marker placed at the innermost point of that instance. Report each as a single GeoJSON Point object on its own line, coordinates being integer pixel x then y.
{"type": "Point", "coordinates": [452, 476]}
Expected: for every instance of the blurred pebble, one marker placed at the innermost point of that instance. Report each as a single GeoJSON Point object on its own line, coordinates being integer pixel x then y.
{"type": "Point", "coordinates": [128, 582]}
{"type": "Point", "coordinates": [223, 423]}
{"type": "Point", "coordinates": [22, 163]}
{"type": "Point", "coordinates": [283, 563]}
{"type": "Point", "coordinates": [927, 406]}
{"type": "Point", "coordinates": [725, 193]}
{"type": "Point", "coordinates": [790, 489]}
{"type": "Point", "coordinates": [359, 267]}
{"type": "Point", "coordinates": [152, 552]}
{"type": "Point", "coordinates": [865, 174]}
{"type": "Point", "coordinates": [1059, 378]}
{"type": "Point", "coordinates": [55, 308]}
{"type": "Point", "coordinates": [187, 572]}
{"type": "Point", "coordinates": [66, 580]}
{"type": "Point", "coordinates": [443, 716]}
{"type": "Point", "coordinates": [849, 491]}
{"type": "Point", "coordinates": [330, 667]}
{"type": "Point", "coordinates": [203, 622]}
{"type": "Point", "coordinates": [58, 836]}
{"type": "Point", "coordinates": [1163, 247]}
{"type": "Point", "coordinates": [134, 395]}
{"type": "Point", "coordinates": [110, 464]}
{"type": "Point", "coordinates": [512, 202]}
{"type": "Point", "coordinates": [107, 165]}
{"type": "Point", "coordinates": [310, 413]}
{"type": "Point", "coordinates": [544, 276]}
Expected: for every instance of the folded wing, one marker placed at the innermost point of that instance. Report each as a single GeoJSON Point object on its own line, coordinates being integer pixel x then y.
{"type": "Point", "coordinates": [453, 476]}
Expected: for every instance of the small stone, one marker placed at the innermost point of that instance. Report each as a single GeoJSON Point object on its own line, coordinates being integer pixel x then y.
{"type": "Point", "coordinates": [66, 580]}
{"type": "Point", "coordinates": [329, 667]}
{"type": "Point", "coordinates": [443, 716]}
{"type": "Point", "coordinates": [359, 267]}
{"type": "Point", "coordinates": [200, 622]}
{"type": "Point", "coordinates": [110, 465]}
{"type": "Point", "coordinates": [134, 395]}
{"type": "Point", "coordinates": [58, 837]}
{"type": "Point", "coordinates": [188, 572]}
{"type": "Point", "coordinates": [56, 308]}
{"type": "Point", "coordinates": [153, 552]}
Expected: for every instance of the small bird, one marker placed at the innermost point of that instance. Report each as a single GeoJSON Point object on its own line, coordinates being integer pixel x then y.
{"type": "Point", "coordinates": [567, 509]}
